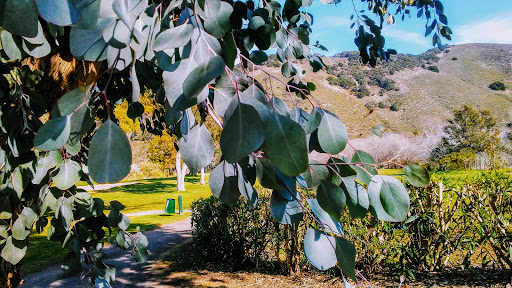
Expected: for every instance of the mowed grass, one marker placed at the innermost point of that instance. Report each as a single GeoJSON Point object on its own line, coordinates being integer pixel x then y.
{"type": "Point", "coordinates": [152, 194]}
{"type": "Point", "coordinates": [147, 194]}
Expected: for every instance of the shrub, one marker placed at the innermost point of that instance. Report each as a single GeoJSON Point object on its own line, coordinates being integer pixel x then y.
{"type": "Point", "coordinates": [498, 86]}
{"type": "Point", "coordinates": [341, 81]}
{"type": "Point", "coordinates": [454, 58]}
{"type": "Point", "coordinates": [458, 160]}
{"type": "Point", "coordinates": [395, 106]}
{"type": "Point", "coordinates": [370, 105]}
{"type": "Point", "coordinates": [241, 236]}
{"type": "Point", "coordinates": [469, 230]}
{"type": "Point", "coordinates": [433, 69]}
{"type": "Point", "coordinates": [362, 91]}
{"type": "Point", "coordinates": [381, 105]}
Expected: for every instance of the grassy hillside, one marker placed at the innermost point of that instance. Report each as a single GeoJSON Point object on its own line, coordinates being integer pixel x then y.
{"type": "Point", "coordinates": [423, 98]}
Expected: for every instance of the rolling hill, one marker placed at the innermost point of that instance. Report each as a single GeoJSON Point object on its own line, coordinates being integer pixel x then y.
{"type": "Point", "coordinates": [422, 97]}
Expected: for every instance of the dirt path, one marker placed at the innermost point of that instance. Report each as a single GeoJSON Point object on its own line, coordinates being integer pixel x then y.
{"type": "Point", "coordinates": [128, 272]}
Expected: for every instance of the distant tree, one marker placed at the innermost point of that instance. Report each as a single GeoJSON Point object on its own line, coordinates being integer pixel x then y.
{"type": "Point", "coordinates": [470, 130]}
{"type": "Point", "coordinates": [162, 150]}
{"type": "Point", "coordinates": [498, 86]}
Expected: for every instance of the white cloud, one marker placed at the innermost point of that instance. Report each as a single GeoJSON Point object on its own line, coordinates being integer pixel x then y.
{"type": "Point", "coordinates": [326, 22]}
{"type": "Point", "coordinates": [496, 29]}
{"type": "Point", "coordinates": [392, 33]}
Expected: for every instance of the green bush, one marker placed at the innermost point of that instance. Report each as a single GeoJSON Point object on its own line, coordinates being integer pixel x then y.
{"type": "Point", "coordinates": [362, 91]}
{"type": "Point", "coordinates": [458, 160]}
{"type": "Point", "coordinates": [395, 106]}
{"type": "Point", "coordinates": [433, 69]}
{"type": "Point", "coordinates": [240, 236]}
{"type": "Point", "coordinates": [381, 105]}
{"type": "Point", "coordinates": [498, 86]}
{"type": "Point", "coordinates": [370, 105]}
{"type": "Point", "coordinates": [455, 224]}
{"type": "Point", "coordinates": [341, 81]}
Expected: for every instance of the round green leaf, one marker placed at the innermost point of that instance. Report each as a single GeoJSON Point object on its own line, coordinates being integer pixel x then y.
{"type": "Point", "coordinates": [315, 174]}
{"type": "Point", "coordinates": [246, 189]}
{"type": "Point", "coordinates": [364, 169]}
{"type": "Point", "coordinates": [265, 173]}
{"type": "Point", "coordinates": [357, 197]}
{"type": "Point", "coordinates": [389, 200]}
{"type": "Point", "coordinates": [19, 231]}
{"type": "Point", "coordinates": [378, 130]}
{"type": "Point", "coordinates": [10, 19]}
{"type": "Point", "coordinates": [218, 25]}
{"type": "Point", "coordinates": [89, 44]}
{"type": "Point", "coordinates": [320, 249]}
{"type": "Point", "coordinates": [135, 110]}
{"type": "Point", "coordinates": [332, 134]}
{"type": "Point", "coordinates": [223, 182]}
{"type": "Point", "coordinates": [67, 175]}
{"type": "Point", "coordinates": [197, 80]}
{"type": "Point", "coordinates": [331, 198]}
{"type": "Point", "coordinates": [315, 118]}
{"type": "Point", "coordinates": [242, 134]}
{"type": "Point", "coordinates": [330, 225]}
{"type": "Point", "coordinates": [197, 148]}
{"type": "Point", "coordinates": [174, 37]}
{"type": "Point", "coordinates": [285, 145]}
{"type": "Point", "coordinates": [284, 211]}
{"type": "Point", "coordinates": [58, 12]}
{"type": "Point", "coordinates": [11, 45]}
{"type": "Point", "coordinates": [110, 154]}
{"type": "Point", "coordinates": [13, 251]}
{"type": "Point", "coordinates": [346, 256]}
{"type": "Point", "coordinates": [417, 175]}
{"type": "Point", "coordinates": [53, 134]}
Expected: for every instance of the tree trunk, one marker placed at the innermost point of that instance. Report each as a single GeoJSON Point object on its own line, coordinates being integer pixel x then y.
{"type": "Point", "coordinates": [202, 181]}
{"type": "Point", "coordinates": [181, 171]}
{"type": "Point", "coordinates": [10, 275]}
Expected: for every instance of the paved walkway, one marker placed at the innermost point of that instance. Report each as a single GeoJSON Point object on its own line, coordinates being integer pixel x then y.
{"type": "Point", "coordinates": [99, 187]}
{"type": "Point", "coordinates": [128, 272]}
{"type": "Point", "coordinates": [150, 212]}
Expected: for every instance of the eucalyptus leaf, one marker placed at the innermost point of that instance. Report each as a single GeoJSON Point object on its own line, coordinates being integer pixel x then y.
{"type": "Point", "coordinates": [10, 19]}
{"type": "Point", "coordinates": [67, 175]}
{"type": "Point", "coordinates": [332, 134]}
{"type": "Point", "coordinates": [53, 134]}
{"type": "Point", "coordinates": [243, 133]}
{"type": "Point", "coordinates": [417, 175]}
{"type": "Point", "coordinates": [331, 198]}
{"type": "Point", "coordinates": [110, 155]}
{"type": "Point", "coordinates": [389, 200]}
{"type": "Point", "coordinates": [346, 256]}
{"type": "Point", "coordinates": [13, 251]}
{"type": "Point", "coordinates": [197, 149]}
{"type": "Point", "coordinates": [224, 182]}
{"type": "Point", "coordinates": [320, 249]}
{"type": "Point", "coordinates": [284, 211]}
{"type": "Point", "coordinates": [285, 145]}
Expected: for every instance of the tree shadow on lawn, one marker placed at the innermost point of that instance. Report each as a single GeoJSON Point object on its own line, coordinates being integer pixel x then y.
{"type": "Point", "coordinates": [147, 186]}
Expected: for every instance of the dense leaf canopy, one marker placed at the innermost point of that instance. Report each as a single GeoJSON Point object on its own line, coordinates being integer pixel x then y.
{"type": "Point", "coordinates": [186, 53]}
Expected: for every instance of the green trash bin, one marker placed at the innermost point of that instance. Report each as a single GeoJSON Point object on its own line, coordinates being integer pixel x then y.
{"type": "Point", "coordinates": [170, 206]}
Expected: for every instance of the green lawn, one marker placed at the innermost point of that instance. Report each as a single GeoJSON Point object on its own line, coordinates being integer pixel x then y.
{"type": "Point", "coordinates": [147, 194]}
{"type": "Point", "coordinates": [151, 194]}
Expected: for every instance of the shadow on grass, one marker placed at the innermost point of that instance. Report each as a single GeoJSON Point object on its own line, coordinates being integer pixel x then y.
{"type": "Point", "coordinates": [149, 186]}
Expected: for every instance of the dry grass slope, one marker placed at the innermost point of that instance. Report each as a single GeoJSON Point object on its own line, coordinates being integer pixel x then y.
{"type": "Point", "coordinates": [427, 97]}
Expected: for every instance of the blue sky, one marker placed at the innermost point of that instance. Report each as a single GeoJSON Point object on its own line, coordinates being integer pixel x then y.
{"type": "Point", "coordinates": [472, 21]}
